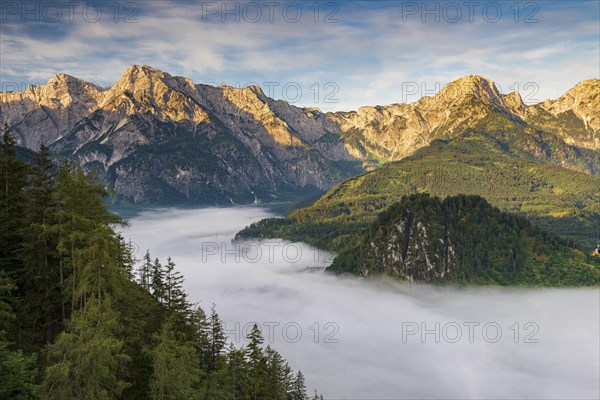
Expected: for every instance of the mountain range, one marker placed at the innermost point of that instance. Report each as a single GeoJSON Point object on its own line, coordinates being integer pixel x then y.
{"type": "Point", "coordinates": [162, 139]}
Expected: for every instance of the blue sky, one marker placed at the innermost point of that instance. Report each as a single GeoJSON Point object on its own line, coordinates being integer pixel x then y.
{"type": "Point", "coordinates": [347, 55]}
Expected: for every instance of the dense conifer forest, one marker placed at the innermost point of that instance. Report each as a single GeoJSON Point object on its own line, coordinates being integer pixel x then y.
{"type": "Point", "coordinates": [81, 318]}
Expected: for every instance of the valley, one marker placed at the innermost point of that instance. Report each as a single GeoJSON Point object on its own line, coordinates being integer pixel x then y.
{"type": "Point", "coordinates": [377, 322]}
{"type": "Point", "coordinates": [299, 200]}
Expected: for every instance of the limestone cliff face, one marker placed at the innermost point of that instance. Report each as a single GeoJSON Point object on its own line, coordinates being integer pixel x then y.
{"type": "Point", "coordinates": [192, 141]}
{"type": "Point", "coordinates": [426, 239]}
{"type": "Point", "coordinates": [415, 246]}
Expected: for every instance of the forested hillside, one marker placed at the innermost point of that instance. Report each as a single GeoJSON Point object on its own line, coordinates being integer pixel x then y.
{"type": "Point", "coordinates": [80, 318]}
{"type": "Point", "coordinates": [464, 239]}
{"type": "Point", "coordinates": [557, 199]}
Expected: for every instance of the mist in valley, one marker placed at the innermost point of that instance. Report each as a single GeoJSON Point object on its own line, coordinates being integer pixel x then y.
{"type": "Point", "coordinates": [378, 339]}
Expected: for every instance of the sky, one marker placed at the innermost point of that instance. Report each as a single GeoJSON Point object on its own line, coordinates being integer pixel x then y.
{"type": "Point", "coordinates": [335, 55]}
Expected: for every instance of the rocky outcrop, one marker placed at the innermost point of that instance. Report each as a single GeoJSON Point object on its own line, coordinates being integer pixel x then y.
{"type": "Point", "coordinates": [42, 115]}
{"type": "Point", "coordinates": [415, 246]}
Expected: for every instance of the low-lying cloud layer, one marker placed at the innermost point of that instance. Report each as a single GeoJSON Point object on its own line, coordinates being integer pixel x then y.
{"type": "Point", "coordinates": [356, 339]}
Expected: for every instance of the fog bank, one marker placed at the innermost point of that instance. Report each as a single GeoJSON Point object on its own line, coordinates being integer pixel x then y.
{"type": "Point", "coordinates": [358, 339]}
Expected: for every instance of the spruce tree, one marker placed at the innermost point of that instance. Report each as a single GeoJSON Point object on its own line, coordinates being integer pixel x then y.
{"type": "Point", "coordinates": [237, 373]}
{"type": "Point", "coordinates": [288, 376]}
{"type": "Point", "coordinates": [176, 366]}
{"type": "Point", "coordinates": [217, 338]}
{"type": "Point", "coordinates": [299, 388]}
{"type": "Point", "coordinates": [157, 280]}
{"type": "Point", "coordinates": [127, 258]}
{"type": "Point", "coordinates": [12, 182]}
{"type": "Point", "coordinates": [40, 308]}
{"type": "Point", "coordinates": [175, 296]}
{"type": "Point", "coordinates": [84, 361]}
{"type": "Point", "coordinates": [144, 272]}
{"type": "Point", "coordinates": [257, 368]}
{"type": "Point", "coordinates": [276, 375]}
{"type": "Point", "coordinates": [201, 336]}
{"type": "Point", "coordinates": [216, 378]}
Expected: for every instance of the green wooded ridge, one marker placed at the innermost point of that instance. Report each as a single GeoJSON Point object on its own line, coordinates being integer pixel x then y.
{"type": "Point", "coordinates": [557, 200]}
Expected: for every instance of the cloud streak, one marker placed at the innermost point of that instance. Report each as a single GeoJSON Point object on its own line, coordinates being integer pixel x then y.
{"type": "Point", "coordinates": [369, 52]}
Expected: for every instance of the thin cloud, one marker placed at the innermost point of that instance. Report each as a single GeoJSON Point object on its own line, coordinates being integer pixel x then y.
{"type": "Point", "coordinates": [369, 53]}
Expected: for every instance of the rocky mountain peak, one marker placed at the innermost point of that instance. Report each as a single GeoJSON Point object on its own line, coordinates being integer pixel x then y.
{"type": "Point", "coordinates": [143, 89]}
{"type": "Point", "coordinates": [583, 100]}
{"type": "Point", "coordinates": [584, 92]}
{"type": "Point", "coordinates": [61, 91]}
{"type": "Point", "coordinates": [137, 76]}
{"type": "Point", "coordinates": [471, 86]}
{"type": "Point", "coordinates": [586, 87]}
{"type": "Point", "coordinates": [61, 78]}
{"type": "Point", "coordinates": [514, 101]}
{"type": "Point", "coordinates": [64, 82]}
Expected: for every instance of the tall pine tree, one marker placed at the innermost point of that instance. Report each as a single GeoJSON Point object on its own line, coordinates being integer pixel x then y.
{"type": "Point", "coordinates": [217, 338]}
{"type": "Point", "coordinates": [257, 364]}
{"type": "Point", "coordinates": [176, 367]}
{"type": "Point", "coordinates": [298, 388]}
{"type": "Point", "coordinates": [12, 182]}
{"type": "Point", "coordinates": [84, 361]}
{"type": "Point", "coordinates": [277, 374]}
{"type": "Point", "coordinates": [42, 299]}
